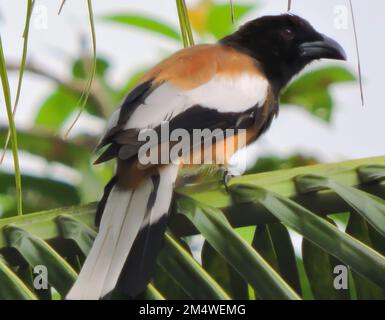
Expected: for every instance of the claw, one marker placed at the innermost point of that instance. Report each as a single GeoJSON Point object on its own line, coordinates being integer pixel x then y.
{"type": "Point", "coordinates": [226, 178]}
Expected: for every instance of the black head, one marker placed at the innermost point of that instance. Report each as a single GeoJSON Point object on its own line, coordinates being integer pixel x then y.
{"type": "Point", "coordinates": [283, 45]}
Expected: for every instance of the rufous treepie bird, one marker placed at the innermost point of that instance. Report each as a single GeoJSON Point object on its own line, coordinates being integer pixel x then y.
{"type": "Point", "coordinates": [233, 84]}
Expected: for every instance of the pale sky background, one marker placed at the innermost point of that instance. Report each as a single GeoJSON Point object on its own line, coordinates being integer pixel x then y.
{"type": "Point", "coordinates": [355, 132]}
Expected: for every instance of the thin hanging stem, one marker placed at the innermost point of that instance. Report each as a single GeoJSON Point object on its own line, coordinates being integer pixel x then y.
{"type": "Point", "coordinates": [61, 7]}
{"type": "Point", "coordinates": [30, 5]}
{"type": "Point", "coordinates": [84, 97]}
{"type": "Point", "coordinates": [232, 13]}
{"type": "Point", "coordinates": [187, 24]}
{"type": "Point", "coordinates": [288, 5]}
{"type": "Point", "coordinates": [182, 25]}
{"type": "Point", "coordinates": [184, 22]}
{"type": "Point", "coordinates": [358, 53]}
{"type": "Point", "coordinates": [12, 128]}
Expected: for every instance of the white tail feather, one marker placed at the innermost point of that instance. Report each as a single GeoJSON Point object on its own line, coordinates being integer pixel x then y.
{"type": "Point", "coordinates": [137, 209]}
{"type": "Point", "coordinates": [129, 229]}
{"type": "Point", "coordinates": [122, 218]}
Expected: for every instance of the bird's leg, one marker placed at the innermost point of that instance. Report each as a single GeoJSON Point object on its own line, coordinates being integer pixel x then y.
{"type": "Point", "coordinates": [197, 173]}
{"type": "Point", "coordinates": [213, 172]}
{"type": "Point", "coordinates": [227, 176]}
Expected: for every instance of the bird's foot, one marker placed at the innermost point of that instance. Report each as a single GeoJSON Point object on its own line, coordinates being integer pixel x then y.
{"type": "Point", "coordinates": [227, 176]}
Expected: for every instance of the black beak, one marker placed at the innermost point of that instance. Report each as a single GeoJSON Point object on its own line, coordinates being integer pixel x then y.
{"type": "Point", "coordinates": [327, 48]}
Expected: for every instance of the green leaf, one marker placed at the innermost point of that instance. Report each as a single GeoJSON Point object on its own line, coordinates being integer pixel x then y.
{"type": "Point", "coordinates": [273, 243]}
{"type": "Point", "coordinates": [219, 18]}
{"type": "Point", "coordinates": [73, 229]}
{"type": "Point", "coordinates": [271, 163]}
{"type": "Point", "coordinates": [377, 240]}
{"type": "Point", "coordinates": [370, 207]}
{"type": "Point", "coordinates": [307, 294]}
{"type": "Point", "coordinates": [25, 273]}
{"type": "Point", "coordinates": [169, 287]}
{"type": "Point", "coordinates": [59, 106]}
{"type": "Point", "coordinates": [42, 189]}
{"type": "Point", "coordinates": [311, 90]}
{"type": "Point", "coordinates": [262, 243]}
{"type": "Point", "coordinates": [365, 290]}
{"type": "Point", "coordinates": [285, 254]}
{"type": "Point", "coordinates": [56, 109]}
{"type": "Point", "coordinates": [224, 273]}
{"type": "Point", "coordinates": [145, 23]}
{"type": "Point", "coordinates": [319, 267]}
{"type": "Point", "coordinates": [375, 173]}
{"type": "Point", "coordinates": [51, 148]}
{"type": "Point", "coordinates": [195, 281]}
{"type": "Point", "coordinates": [43, 224]}
{"type": "Point", "coordinates": [217, 231]}
{"type": "Point", "coordinates": [12, 288]}
{"type": "Point", "coordinates": [37, 252]}
{"type": "Point", "coordinates": [355, 254]}
{"type": "Point", "coordinates": [152, 293]}
{"type": "Point", "coordinates": [102, 66]}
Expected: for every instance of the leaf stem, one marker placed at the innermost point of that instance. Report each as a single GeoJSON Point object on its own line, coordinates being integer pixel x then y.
{"type": "Point", "coordinates": [184, 23]}
{"type": "Point", "coordinates": [30, 5]}
{"type": "Point", "coordinates": [232, 13]}
{"type": "Point", "coordinates": [84, 97]}
{"type": "Point", "coordinates": [12, 128]}
{"type": "Point", "coordinates": [357, 52]}
{"type": "Point", "coordinates": [61, 7]}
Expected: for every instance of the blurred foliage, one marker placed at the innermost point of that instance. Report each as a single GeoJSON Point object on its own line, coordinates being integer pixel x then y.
{"type": "Point", "coordinates": [214, 19]}
{"type": "Point", "coordinates": [60, 105]}
{"type": "Point", "coordinates": [272, 163]}
{"type": "Point", "coordinates": [248, 250]}
{"type": "Point", "coordinates": [56, 108]}
{"type": "Point", "coordinates": [149, 24]}
{"type": "Point", "coordinates": [312, 90]}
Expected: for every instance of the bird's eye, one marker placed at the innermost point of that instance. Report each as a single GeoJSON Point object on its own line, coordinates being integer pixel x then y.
{"type": "Point", "coordinates": [287, 34]}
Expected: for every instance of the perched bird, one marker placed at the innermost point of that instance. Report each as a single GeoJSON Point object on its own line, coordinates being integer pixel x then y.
{"type": "Point", "coordinates": [234, 84]}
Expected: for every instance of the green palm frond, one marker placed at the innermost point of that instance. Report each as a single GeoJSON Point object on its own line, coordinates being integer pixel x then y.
{"type": "Point", "coordinates": [310, 201]}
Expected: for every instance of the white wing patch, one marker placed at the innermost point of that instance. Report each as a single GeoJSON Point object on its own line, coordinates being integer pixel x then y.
{"type": "Point", "coordinates": [222, 93]}
{"type": "Point", "coordinates": [162, 104]}
{"type": "Point", "coordinates": [231, 94]}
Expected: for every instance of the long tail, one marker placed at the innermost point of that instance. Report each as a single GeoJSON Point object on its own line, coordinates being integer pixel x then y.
{"type": "Point", "coordinates": [130, 233]}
